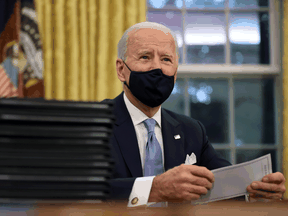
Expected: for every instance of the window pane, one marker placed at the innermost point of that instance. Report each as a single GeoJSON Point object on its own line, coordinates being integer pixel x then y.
{"type": "Point", "coordinates": [249, 38]}
{"type": "Point", "coordinates": [204, 3]}
{"type": "Point", "coordinates": [205, 38]}
{"type": "Point", "coordinates": [247, 155]}
{"type": "Point", "coordinates": [248, 3]}
{"type": "Point", "coordinates": [173, 20]}
{"type": "Point", "coordinates": [175, 102]}
{"type": "Point", "coordinates": [209, 104]}
{"type": "Point", "coordinates": [224, 154]}
{"type": "Point", "coordinates": [254, 111]}
{"type": "Point", "coordinates": [165, 3]}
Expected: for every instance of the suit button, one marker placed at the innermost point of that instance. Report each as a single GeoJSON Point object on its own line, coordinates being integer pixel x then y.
{"type": "Point", "coordinates": [134, 200]}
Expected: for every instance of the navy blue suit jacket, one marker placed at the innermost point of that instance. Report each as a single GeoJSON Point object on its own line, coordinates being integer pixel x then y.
{"type": "Point", "coordinates": [126, 152]}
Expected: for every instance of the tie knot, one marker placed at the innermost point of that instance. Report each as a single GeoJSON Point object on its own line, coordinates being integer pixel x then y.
{"type": "Point", "coordinates": [150, 125]}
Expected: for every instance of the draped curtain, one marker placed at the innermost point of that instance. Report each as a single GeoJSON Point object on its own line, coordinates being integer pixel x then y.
{"type": "Point", "coordinates": [80, 45]}
{"type": "Point", "coordinates": [285, 93]}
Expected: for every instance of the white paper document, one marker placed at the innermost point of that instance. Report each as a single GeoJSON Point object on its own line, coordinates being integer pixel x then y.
{"type": "Point", "coordinates": [232, 181]}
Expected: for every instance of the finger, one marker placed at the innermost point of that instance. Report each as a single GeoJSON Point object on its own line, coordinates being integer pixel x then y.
{"type": "Point", "coordinates": [263, 194]}
{"type": "Point", "coordinates": [202, 172]}
{"type": "Point", "coordinates": [185, 196]}
{"type": "Point", "coordinates": [249, 189]}
{"type": "Point", "coordinates": [190, 196]}
{"type": "Point", "coordinates": [194, 189]}
{"type": "Point", "coordinates": [187, 177]}
{"type": "Point", "coordinates": [268, 187]}
{"type": "Point", "coordinates": [200, 181]}
{"type": "Point", "coordinates": [274, 177]}
{"type": "Point", "coordinates": [198, 190]}
{"type": "Point", "coordinates": [266, 195]}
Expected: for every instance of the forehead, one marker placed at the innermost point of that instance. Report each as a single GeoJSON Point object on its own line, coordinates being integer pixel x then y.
{"type": "Point", "coordinates": [143, 37]}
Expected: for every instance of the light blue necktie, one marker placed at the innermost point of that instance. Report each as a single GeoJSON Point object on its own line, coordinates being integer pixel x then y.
{"type": "Point", "coordinates": [153, 160]}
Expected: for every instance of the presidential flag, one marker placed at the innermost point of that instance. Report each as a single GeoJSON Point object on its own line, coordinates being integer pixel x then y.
{"type": "Point", "coordinates": [31, 65]}
{"type": "Point", "coordinates": [9, 43]}
{"type": "Point", "coordinates": [21, 59]}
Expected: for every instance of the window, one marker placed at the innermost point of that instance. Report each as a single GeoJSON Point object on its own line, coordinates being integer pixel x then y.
{"type": "Point", "coordinates": [228, 74]}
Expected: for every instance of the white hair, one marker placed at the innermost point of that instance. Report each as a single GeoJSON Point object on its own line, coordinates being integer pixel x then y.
{"type": "Point", "coordinates": [122, 44]}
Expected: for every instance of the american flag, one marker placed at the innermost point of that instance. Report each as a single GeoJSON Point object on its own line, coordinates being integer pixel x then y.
{"type": "Point", "coordinates": [7, 89]}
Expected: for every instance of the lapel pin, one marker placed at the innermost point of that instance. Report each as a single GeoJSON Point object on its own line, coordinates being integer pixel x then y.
{"type": "Point", "coordinates": [177, 136]}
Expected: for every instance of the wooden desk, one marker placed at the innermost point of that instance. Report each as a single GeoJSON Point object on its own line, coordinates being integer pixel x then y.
{"type": "Point", "coordinates": [222, 208]}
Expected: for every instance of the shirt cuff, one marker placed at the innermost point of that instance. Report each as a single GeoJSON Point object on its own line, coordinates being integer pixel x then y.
{"type": "Point", "coordinates": [140, 191]}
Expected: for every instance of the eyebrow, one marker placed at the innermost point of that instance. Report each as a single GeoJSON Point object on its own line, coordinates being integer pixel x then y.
{"type": "Point", "coordinates": [141, 52]}
{"type": "Point", "coordinates": [168, 55]}
{"type": "Point", "coordinates": [149, 52]}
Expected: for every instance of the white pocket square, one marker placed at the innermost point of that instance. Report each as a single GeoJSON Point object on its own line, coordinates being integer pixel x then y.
{"type": "Point", "coordinates": [190, 159]}
{"type": "Point", "coordinates": [177, 136]}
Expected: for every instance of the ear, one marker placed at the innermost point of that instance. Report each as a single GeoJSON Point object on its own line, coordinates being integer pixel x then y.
{"type": "Point", "coordinates": [175, 77]}
{"type": "Point", "coordinates": [120, 69]}
{"type": "Point", "coordinates": [177, 62]}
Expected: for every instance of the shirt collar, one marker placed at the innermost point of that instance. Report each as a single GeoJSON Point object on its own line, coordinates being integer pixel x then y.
{"type": "Point", "coordinates": [137, 115]}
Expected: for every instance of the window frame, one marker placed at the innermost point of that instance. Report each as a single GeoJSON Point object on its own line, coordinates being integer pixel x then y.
{"type": "Point", "coordinates": [277, 146]}
{"type": "Point", "coordinates": [232, 71]}
{"type": "Point", "coordinates": [227, 67]}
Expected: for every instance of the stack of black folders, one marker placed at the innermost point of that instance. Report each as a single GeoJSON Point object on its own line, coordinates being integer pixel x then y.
{"type": "Point", "coordinates": [55, 149]}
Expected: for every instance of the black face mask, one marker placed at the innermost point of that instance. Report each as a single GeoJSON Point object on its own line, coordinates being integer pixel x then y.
{"type": "Point", "coordinates": [152, 88]}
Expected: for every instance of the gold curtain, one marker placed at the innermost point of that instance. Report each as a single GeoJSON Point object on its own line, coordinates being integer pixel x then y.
{"type": "Point", "coordinates": [285, 94]}
{"type": "Point", "coordinates": [80, 45]}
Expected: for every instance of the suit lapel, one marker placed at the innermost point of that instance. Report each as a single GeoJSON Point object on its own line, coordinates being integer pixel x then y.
{"type": "Point", "coordinates": [126, 137]}
{"type": "Point", "coordinates": [173, 148]}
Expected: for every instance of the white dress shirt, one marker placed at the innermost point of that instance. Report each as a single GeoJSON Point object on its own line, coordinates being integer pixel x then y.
{"type": "Point", "coordinates": [142, 185]}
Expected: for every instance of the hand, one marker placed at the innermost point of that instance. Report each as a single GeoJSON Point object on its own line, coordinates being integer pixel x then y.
{"type": "Point", "coordinates": [271, 187]}
{"type": "Point", "coordinates": [182, 183]}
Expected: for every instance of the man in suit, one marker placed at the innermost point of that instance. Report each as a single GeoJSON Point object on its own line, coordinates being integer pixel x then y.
{"type": "Point", "coordinates": [147, 65]}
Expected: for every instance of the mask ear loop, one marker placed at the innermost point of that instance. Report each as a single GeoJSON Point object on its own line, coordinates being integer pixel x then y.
{"type": "Point", "coordinates": [126, 65]}
{"type": "Point", "coordinates": [125, 83]}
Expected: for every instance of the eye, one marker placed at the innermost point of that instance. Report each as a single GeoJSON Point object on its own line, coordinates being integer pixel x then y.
{"type": "Point", "coordinates": [167, 59]}
{"type": "Point", "coordinates": [144, 57]}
